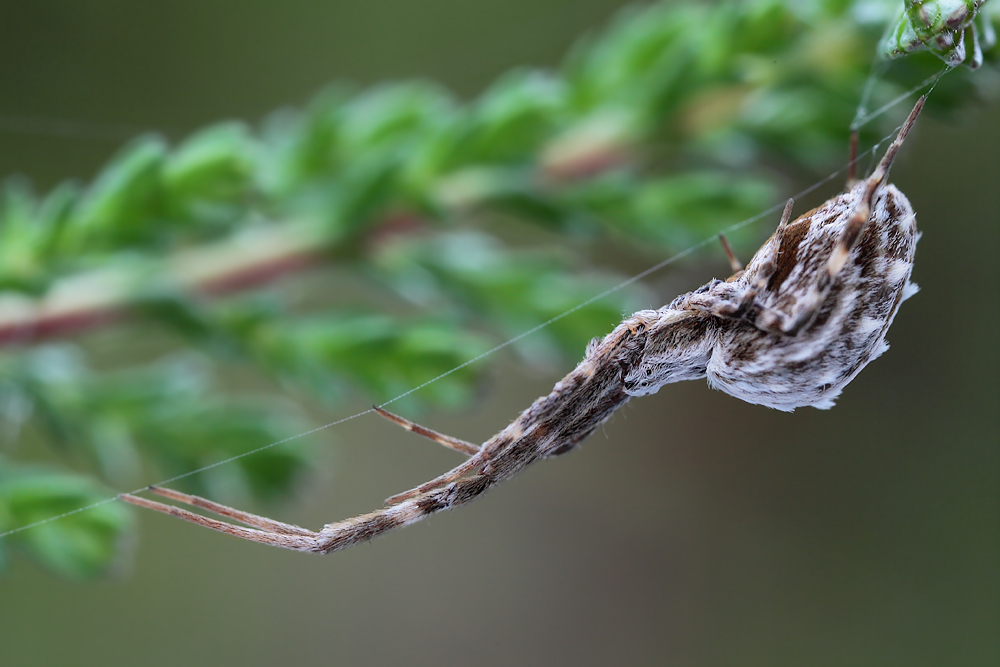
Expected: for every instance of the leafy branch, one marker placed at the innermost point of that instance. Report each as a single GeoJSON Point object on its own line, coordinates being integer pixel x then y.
{"type": "Point", "coordinates": [456, 224]}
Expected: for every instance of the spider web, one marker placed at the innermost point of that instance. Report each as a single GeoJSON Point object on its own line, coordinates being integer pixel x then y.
{"type": "Point", "coordinates": [862, 118]}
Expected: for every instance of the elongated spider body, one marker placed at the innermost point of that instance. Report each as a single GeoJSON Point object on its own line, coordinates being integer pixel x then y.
{"type": "Point", "coordinates": [810, 310]}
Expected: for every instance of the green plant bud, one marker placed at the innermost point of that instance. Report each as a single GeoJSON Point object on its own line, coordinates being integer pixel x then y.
{"type": "Point", "coordinates": [946, 28]}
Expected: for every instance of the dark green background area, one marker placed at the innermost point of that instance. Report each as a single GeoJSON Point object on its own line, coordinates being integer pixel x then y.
{"type": "Point", "coordinates": [173, 67]}
{"type": "Point", "coordinates": [693, 529]}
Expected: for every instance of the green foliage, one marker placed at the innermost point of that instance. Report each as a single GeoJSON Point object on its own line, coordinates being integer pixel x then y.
{"type": "Point", "coordinates": [650, 137]}
{"type": "Point", "coordinates": [167, 414]}
{"type": "Point", "coordinates": [374, 352]}
{"type": "Point", "coordinates": [471, 272]}
{"type": "Point", "coordinates": [207, 176]}
{"type": "Point", "coordinates": [81, 545]}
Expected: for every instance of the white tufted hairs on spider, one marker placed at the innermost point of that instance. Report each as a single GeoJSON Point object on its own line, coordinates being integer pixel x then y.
{"type": "Point", "coordinates": [792, 329]}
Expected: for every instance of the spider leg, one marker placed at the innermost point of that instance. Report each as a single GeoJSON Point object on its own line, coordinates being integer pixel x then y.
{"type": "Point", "coordinates": [438, 481]}
{"type": "Point", "coordinates": [770, 263]}
{"type": "Point", "coordinates": [734, 263]}
{"type": "Point", "coordinates": [712, 302]}
{"type": "Point", "coordinates": [304, 541]}
{"type": "Point", "coordinates": [522, 442]}
{"type": "Point", "coordinates": [451, 443]}
{"type": "Point", "coordinates": [223, 510]}
{"type": "Point", "coordinates": [859, 219]}
{"type": "Point", "coordinates": [440, 438]}
{"type": "Point", "coordinates": [809, 306]}
{"type": "Point", "coordinates": [343, 534]}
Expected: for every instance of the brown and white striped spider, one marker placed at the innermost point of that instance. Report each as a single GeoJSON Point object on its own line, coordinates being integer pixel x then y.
{"type": "Point", "coordinates": [792, 329]}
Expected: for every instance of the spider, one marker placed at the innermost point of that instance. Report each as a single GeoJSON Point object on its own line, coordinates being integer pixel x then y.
{"type": "Point", "coordinates": [791, 329]}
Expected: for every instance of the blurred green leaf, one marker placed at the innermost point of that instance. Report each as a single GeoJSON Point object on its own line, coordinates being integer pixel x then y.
{"type": "Point", "coordinates": [209, 174]}
{"type": "Point", "coordinates": [165, 413]}
{"type": "Point", "coordinates": [382, 355]}
{"type": "Point", "coordinates": [79, 546]}
{"type": "Point", "coordinates": [514, 291]}
{"type": "Point", "coordinates": [675, 211]}
{"type": "Point", "coordinates": [119, 207]}
{"type": "Point", "coordinates": [512, 118]}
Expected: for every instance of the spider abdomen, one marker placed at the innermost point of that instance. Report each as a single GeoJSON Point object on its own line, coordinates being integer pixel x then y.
{"type": "Point", "coordinates": [812, 365]}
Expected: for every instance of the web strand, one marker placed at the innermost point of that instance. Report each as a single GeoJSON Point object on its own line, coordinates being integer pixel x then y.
{"type": "Point", "coordinates": [611, 290]}
{"type": "Point", "coordinates": [862, 118]}
{"type": "Point", "coordinates": [879, 67]}
{"type": "Point", "coordinates": [70, 129]}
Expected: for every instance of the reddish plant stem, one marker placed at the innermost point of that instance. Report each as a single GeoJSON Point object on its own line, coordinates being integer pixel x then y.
{"type": "Point", "coordinates": [251, 258]}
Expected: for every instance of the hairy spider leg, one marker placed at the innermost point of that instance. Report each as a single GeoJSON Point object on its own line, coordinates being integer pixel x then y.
{"type": "Point", "coordinates": [440, 480]}
{"type": "Point", "coordinates": [451, 443]}
{"type": "Point", "coordinates": [288, 536]}
{"type": "Point", "coordinates": [334, 536]}
{"type": "Point", "coordinates": [712, 304]}
{"type": "Point", "coordinates": [243, 517]}
{"type": "Point", "coordinates": [734, 263]}
{"type": "Point", "coordinates": [769, 265]}
{"type": "Point", "coordinates": [859, 219]}
{"type": "Point", "coordinates": [851, 234]}
{"type": "Point", "coordinates": [440, 438]}
{"type": "Point", "coordinates": [275, 533]}
{"type": "Point", "coordinates": [577, 405]}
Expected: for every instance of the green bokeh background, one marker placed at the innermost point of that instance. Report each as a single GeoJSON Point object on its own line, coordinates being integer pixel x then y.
{"type": "Point", "coordinates": [693, 529]}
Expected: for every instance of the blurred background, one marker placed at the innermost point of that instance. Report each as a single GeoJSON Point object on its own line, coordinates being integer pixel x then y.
{"type": "Point", "coordinates": [691, 529]}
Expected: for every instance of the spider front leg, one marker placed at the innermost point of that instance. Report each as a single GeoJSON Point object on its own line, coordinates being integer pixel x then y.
{"type": "Point", "coordinates": [272, 533]}
{"type": "Point", "coordinates": [734, 298]}
{"type": "Point", "coordinates": [769, 262]}
{"type": "Point", "coordinates": [288, 536]}
{"type": "Point", "coordinates": [859, 220]}
{"type": "Point", "coordinates": [861, 215]}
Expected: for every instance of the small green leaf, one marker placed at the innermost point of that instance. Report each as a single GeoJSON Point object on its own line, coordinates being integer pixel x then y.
{"type": "Point", "coordinates": [515, 116]}
{"type": "Point", "coordinates": [123, 201]}
{"type": "Point", "coordinates": [514, 291]}
{"type": "Point", "coordinates": [215, 164]}
{"type": "Point", "coordinates": [186, 435]}
{"type": "Point", "coordinates": [674, 211]}
{"type": "Point", "coordinates": [375, 353]}
{"type": "Point", "coordinates": [82, 545]}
